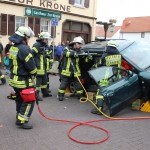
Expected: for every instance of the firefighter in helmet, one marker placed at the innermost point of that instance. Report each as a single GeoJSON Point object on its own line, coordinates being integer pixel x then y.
{"type": "Point", "coordinates": [22, 68]}
{"type": "Point", "coordinates": [39, 51]}
{"type": "Point", "coordinates": [69, 67]}
{"type": "Point", "coordinates": [112, 57]}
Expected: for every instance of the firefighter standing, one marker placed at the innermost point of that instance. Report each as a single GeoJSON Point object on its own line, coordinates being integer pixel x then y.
{"type": "Point", "coordinates": [110, 58]}
{"type": "Point", "coordinates": [39, 51]}
{"type": "Point", "coordinates": [22, 67]}
{"type": "Point", "coordinates": [49, 63]}
{"type": "Point", "coordinates": [69, 67]}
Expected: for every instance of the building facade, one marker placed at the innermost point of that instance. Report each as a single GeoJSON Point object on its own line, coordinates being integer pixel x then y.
{"type": "Point", "coordinates": [64, 20]}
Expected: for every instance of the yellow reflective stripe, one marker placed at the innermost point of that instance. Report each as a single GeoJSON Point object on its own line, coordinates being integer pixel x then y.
{"type": "Point", "coordinates": [61, 91]}
{"type": "Point", "coordinates": [27, 110]}
{"type": "Point", "coordinates": [2, 76]}
{"type": "Point", "coordinates": [13, 56]}
{"type": "Point", "coordinates": [80, 92]}
{"type": "Point", "coordinates": [77, 74]}
{"type": "Point", "coordinates": [19, 84]}
{"type": "Point", "coordinates": [41, 70]}
{"type": "Point", "coordinates": [67, 54]}
{"type": "Point", "coordinates": [43, 86]}
{"type": "Point", "coordinates": [68, 65]}
{"type": "Point", "coordinates": [33, 71]}
{"type": "Point", "coordinates": [99, 97]}
{"type": "Point", "coordinates": [22, 118]}
{"type": "Point", "coordinates": [28, 57]}
{"type": "Point", "coordinates": [65, 73]}
{"type": "Point", "coordinates": [38, 88]}
{"type": "Point", "coordinates": [47, 65]}
{"type": "Point", "coordinates": [77, 66]}
{"type": "Point", "coordinates": [51, 60]}
{"type": "Point", "coordinates": [35, 49]}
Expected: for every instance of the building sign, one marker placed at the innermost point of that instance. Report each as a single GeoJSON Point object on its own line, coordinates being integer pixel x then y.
{"type": "Point", "coordinates": [54, 22]}
{"type": "Point", "coordinates": [43, 4]}
{"type": "Point", "coordinates": [41, 13]}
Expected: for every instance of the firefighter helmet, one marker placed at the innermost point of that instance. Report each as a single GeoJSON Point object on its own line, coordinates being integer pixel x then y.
{"type": "Point", "coordinates": [78, 39]}
{"type": "Point", "coordinates": [112, 43]}
{"type": "Point", "coordinates": [44, 35]}
{"type": "Point", "coordinates": [24, 32]}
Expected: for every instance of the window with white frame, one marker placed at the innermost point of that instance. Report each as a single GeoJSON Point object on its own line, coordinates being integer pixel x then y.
{"type": "Point", "coordinates": [20, 21]}
{"type": "Point", "coordinates": [45, 25]}
{"type": "Point", "coordinates": [79, 2]}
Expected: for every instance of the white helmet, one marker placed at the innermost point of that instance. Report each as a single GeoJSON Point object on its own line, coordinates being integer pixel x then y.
{"type": "Point", "coordinates": [44, 35]}
{"type": "Point", "coordinates": [25, 32]}
{"type": "Point", "coordinates": [78, 39]}
{"type": "Point", "coordinates": [112, 43]}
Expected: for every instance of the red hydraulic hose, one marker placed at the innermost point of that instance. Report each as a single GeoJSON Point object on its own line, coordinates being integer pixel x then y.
{"type": "Point", "coordinates": [88, 123]}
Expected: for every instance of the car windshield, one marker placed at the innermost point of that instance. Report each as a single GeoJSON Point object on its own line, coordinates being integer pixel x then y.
{"type": "Point", "coordinates": [138, 53]}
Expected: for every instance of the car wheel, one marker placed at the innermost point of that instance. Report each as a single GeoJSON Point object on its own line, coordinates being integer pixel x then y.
{"type": "Point", "coordinates": [72, 87]}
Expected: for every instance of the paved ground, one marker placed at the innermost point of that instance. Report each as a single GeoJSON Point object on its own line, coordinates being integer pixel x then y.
{"type": "Point", "coordinates": [49, 135]}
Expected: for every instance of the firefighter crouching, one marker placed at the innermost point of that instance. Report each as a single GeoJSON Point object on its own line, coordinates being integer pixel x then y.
{"type": "Point", "coordinates": [22, 67]}
{"type": "Point", "coordinates": [110, 58]}
{"type": "Point", "coordinates": [69, 68]}
{"type": "Point", "coordinates": [40, 57]}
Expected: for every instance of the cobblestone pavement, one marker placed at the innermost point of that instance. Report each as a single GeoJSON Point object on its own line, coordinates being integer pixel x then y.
{"type": "Point", "coordinates": [50, 135]}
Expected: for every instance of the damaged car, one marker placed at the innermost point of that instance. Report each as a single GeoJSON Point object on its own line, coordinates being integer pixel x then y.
{"type": "Point", "coordinates": [134, 80]}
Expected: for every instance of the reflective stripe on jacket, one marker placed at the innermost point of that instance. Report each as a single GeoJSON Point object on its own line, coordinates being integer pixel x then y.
{"type": "Point", "coordinates": [69, 63]}
{"type": "Point", "coordinates": [39, 54]}
{"type": "Point", "coordinates": [22, 66]}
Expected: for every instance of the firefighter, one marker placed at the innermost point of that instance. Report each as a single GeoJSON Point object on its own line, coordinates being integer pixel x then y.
{"type": "Point", "coordinates": [112, 57]}
{"type": "Point", "coordinates": [2, 78]}
{"type": "Point", "coordinates": [22, 68]}
{"type": "Point", "coordinates": [39, 51]}
{"type": "Point", "coordinates": [69, 67]}
{"type": "Point", "coordinates": [49, 64]}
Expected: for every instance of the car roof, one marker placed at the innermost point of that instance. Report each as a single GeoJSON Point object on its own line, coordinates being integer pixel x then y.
{"type": "Point", "coordinates": [99, 46]}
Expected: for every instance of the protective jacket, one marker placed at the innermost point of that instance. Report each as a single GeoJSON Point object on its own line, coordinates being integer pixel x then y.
{"type": "Point", "coordinates": [112, 57]}
{"type": "Point", "coordinates": [70, 62]}
{"type": "Point", "coordinates": [22, 64]}
{"type": "Point", "coordinates": [40, 55]}
{"type": "Point", "coordinates": [49, 59]}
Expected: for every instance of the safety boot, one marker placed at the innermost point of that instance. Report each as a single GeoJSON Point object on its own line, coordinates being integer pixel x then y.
{"type": "Point", "coordinates": [79, 96]}
{"type": "Point", "coordinates": [60, 97]}
{"type": "Point", "coordinates": [26, 125]}
{"type": "Point", "coordinates": [95, 111]}
{"type": "Point", "coordinates": [45, 93]}
{"type": "Point", "coordinates": [3, 81]}
{"type": "Point", "coordinates": [18, 123]}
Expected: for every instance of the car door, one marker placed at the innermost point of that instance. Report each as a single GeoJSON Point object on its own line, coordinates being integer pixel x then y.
{"type": "Point", "coordinates": [121, 91]}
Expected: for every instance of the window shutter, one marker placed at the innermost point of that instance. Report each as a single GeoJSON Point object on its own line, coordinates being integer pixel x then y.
{"type": "Point", "coordinates": [86, 3]}
{"type": "Point", "coordinates": [30, 22]}
{"type": "Point", "coordinates": [11, 22]}
{"type": "Point", "coordinates": [3, 24]}
{"type": "Point", "coordinates": [53, 31]}
{"type": "Point", "coordinates": [71, 2]}
{"type": "Point", "coordinates": [37, 26]}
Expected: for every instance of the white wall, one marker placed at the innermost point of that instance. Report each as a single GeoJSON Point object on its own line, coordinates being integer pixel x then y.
{"type": "Point", "coordinates": [135, 36]}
